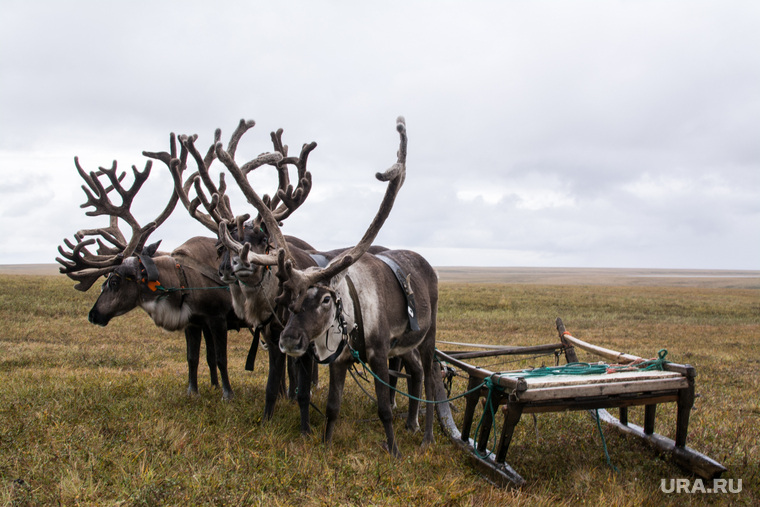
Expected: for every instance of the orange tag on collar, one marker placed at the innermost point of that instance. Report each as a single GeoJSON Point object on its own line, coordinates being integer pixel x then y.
{"type": "Point", "coordinates": [154, 285]}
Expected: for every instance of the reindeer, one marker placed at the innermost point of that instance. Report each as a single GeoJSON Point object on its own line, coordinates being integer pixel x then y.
{"type": "Point", "coordinates": [252, 292]}
{"type": "Point", "coordinates": [179, 291]}
{"type": "Point", "coordinates": [325, 308]}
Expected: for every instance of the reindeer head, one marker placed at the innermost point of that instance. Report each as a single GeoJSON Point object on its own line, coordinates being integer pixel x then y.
{"type": "Point", "coordinates": [116, 257]}
{"type": "Point", "coordinates": [312, 295]}
{"type": "Point", "coordinates": [286, 200]}
{"type": "Point", "coordinates": [124, 287]}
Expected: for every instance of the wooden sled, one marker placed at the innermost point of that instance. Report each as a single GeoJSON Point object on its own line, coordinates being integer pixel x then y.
{"type": "Point", "coordinates": [517, 395]}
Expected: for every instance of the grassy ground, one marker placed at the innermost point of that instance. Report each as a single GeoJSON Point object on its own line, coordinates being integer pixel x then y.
{"type": "Point", "coordinates": [99, 416]}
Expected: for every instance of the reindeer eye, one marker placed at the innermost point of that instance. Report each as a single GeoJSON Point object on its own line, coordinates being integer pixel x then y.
{"type": "Point", "coordinates": [326, 300]}
{"type": "Point", "coordinates": [113, 282]}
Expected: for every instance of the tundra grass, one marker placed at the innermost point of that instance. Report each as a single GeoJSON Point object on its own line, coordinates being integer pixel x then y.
{"type": "Point", "coordinates": [100, 416]}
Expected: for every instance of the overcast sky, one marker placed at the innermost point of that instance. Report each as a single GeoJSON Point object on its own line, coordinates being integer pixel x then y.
{"type": "Point", "coordinates": [570, 134]}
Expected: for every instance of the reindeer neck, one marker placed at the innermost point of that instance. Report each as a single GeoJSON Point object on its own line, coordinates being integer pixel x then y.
{"type": "Point", "coordinates": [168, 276]}
{"type": "Point", "coordinates": [258, 298]}
{"type": "Point", "coordinates": [160, 298]}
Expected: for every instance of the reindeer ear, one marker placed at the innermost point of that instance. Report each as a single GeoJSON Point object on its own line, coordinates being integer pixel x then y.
{"type": "Point", "coordinates": [150, 250]}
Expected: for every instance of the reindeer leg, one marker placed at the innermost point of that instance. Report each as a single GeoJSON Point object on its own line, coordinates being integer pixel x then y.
{"type": "Point", "coordinates": [395, 364]}
{"type": "Point", "coordinates": [292, 378]}
{"type": "Point", "coordinates": [315, 374]}
{"type": "Point", "coordinates": [414, 369]}
{"type": "Point", "coordinates": [427, 357]}
{"type": "Point", "coordinates": [208, 338]}
{"type": "Point", "coordinates": [379, 366]}
{"type": "Point", "coordinates": [303, 368]}
{"type": "Point", "coordinates": [276, 376]}
{"type": "Point", "coordinates": [219, 332]}
{"type": "Point", "coordinates": [338, 372]}
{"type": "Point", "coordinates": [193, 339]}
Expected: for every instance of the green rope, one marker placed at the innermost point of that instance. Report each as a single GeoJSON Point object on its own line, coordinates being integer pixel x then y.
{"type": "Point", "coordinates": [604, 442]}
{"type": "Point", "coordinates": [177, 289]}
{"type": "Point", "coordinates": [487, 382]}
{"type": "Point", "coordinates": [355, 354]}
{"type": "Point", "coordinates": [170, 290]}
{"type": "Point", "coordinates": [591, 368]}
{"type": "Point", "coordinates": [567, 369]}
{"type": "Point", "coordinates": [492, 386]}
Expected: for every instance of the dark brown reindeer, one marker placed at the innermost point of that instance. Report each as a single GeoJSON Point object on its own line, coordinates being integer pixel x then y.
{"type": "Point", "coordinates": [358, 294]}
{"type": "Point", "coordinates": [253, 291]}
{"type": "Point", "coordinates": [159, 283]}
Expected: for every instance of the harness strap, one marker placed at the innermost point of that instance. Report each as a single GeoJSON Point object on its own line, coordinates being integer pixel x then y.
{"type": "Point", "coordinates": [151, 270]}
{"type": "Point", "coordinates": [251, 358]}
{"type": "Point", "coordinates": [206, 271]}
{"type": "Point", "coordinates": [332, 357]}
{"type": "Point", "coordinates": [406, 286]}
{"type": "Point", "coordinates": [181, 275]}
{"type": "Point", "coordinates": [320, 259]}
{"type": "Point", "coordinates": [182, 281]}
{"type": "Point", "coordinates": [357, 333]}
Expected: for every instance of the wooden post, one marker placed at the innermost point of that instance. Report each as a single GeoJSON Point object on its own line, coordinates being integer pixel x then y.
{"type": "Point", "coordinates": [685, 403]}
{"type": "Point", "coordinates": [487, 421]}
{"type": "Point", "coordinates": [649, 413]}
{"type": "Point", "coordinates": [569, 350]}
{"type": "Point", "coordinates": [624, 415]}
{"type": "Point", "coordinates": [469, 411]}
{"type": "Point", "coordinates": [512, 414]}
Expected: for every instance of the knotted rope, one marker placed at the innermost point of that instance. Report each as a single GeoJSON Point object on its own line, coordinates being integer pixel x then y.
{"type": "Point", "coordinates": [594, 368]}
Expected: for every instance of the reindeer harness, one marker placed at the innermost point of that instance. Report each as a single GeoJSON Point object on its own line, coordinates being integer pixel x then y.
{"type": "Point", "coordinates": [149, 275]}
{"type": "Point", "coordinates": [356, 335]}
{"type": "Point", "coordinates": [406, 286]}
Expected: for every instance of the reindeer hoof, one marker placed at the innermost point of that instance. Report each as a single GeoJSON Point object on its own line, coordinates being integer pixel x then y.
{"type": "Point", "coordinates": [413, 427]}
{"type": "Point", "coordinates": [228, 396]}
{"type": "Point", "coordinates": [393, 452]}
{"type": "Point", "coordinates": [427, 443]}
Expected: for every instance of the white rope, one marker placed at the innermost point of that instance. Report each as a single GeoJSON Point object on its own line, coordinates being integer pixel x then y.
{"type": "Point", "coordinates": [475, 345]}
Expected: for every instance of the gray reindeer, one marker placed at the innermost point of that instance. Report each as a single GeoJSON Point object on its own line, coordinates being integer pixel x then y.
{"type": "Point", "coordinates": [360, 305]}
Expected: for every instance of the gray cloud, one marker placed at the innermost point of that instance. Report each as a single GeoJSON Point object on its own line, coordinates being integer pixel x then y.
{"type": "Point", "coordinates": [591, 134]}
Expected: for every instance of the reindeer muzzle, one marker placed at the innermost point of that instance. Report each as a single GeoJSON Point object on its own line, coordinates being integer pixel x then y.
{"type": "Point", "coordinates": [95, 317]}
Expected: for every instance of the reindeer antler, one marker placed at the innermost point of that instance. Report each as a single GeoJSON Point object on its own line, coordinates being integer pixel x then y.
{"type": "Point", "coordinates": [285, 201]}
{"type": "Point", "coordinates": [395, 177]}
{"type": "Point", "coordinates": [177, 166]}
{"type": "Point", "coordinates": [213, 199]}
{"type": "Point", "coordinates": [291, 198]}
{"type": "Point", "coordinates": [79, 263]}
{"type": "Point", "coordinates": [295, 282]}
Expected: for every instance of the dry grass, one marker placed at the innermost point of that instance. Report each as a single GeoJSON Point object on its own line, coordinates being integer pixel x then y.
{"type": "Point", "coordinates": [95, 416]}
